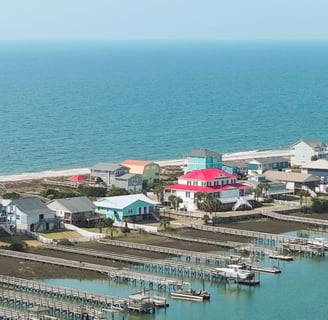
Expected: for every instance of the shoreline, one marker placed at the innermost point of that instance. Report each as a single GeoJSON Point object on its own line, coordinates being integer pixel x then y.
{"type": "Point", "coordinates": [242, 155]}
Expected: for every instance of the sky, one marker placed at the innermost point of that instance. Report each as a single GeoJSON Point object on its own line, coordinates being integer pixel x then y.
{"type": "Point", "coordinates": [162, 19]}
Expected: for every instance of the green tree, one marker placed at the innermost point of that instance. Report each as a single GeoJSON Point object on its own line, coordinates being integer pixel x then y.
{"type": "Point", "coordinates": [159, 191]}
{"type": "Point", "coordinates": [211, 204]}
{"type": "Point", "coordinates": [164, 223]}
{"type": "Point", "coordinates": [199, 199]}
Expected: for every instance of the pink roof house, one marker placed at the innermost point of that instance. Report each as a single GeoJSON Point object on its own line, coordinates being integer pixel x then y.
{"type": "Point", "coordinates": [221, 184]}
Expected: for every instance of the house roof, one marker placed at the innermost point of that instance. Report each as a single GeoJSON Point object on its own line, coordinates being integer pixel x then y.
{"type": "Point", "coordinates": [121, 202]}
{"type": "Point", "coordinates": [128, 176]}
{"type": "Point", "coordinates": [107, 166]}
{"type": "Point", "coordinates": [207, 174]}
{"type": "Point", "coordinates": [32, 206]}
{"type": "Point", "coordinates": [290, 176]}
{"type": "Point", "coordinates": [321, 164]}
{"type": "Point", "coordinates": [206, 189]}
{"type": "Point", "coordinates": [75, 204]}
{"type": "Point", "coordinates": [312, 143]}
{"type": "Point", "coordinates": [269, 160]}
{"type": "Point", "coordinates": [203, 153]}
{"type": "Point", "coordinates": [136, 166]}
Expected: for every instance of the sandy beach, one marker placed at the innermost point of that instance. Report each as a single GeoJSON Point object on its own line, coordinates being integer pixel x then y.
{"type": "Point", "coordinates": [44, 174]}
{"type": "Point", "coordinates": [242, 155]}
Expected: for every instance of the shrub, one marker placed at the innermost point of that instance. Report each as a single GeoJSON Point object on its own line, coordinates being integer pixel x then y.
{"type": "Point", "coordinates": [18, 246]}
{"type": "Point", "coordinates": [64, 242]}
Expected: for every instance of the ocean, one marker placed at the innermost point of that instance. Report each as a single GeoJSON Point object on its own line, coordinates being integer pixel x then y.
{"type": "Point", "coordinates": [67, 105]}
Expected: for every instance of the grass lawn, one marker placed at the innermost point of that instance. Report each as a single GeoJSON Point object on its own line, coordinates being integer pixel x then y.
{"type": "Point", "coordinates": [61, 235]}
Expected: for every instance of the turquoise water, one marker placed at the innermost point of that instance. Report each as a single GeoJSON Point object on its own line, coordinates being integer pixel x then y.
{"type": "Point", "coordinates": [72, 104]}
{"type": "Point", "coordinates": [299, 292]}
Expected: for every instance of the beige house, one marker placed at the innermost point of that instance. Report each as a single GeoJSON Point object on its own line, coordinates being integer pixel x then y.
{"type": "Point", "coordinates": [149, 170]}
{"type": "Point", "coordinates": [295, 181]}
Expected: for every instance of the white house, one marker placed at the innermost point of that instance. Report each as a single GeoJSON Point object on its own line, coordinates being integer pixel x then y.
{"type": "Point", "coordinates": [32, 214]}
{"type": "Point", "coordinates": [303, 151]}
{"type": "Point", "coordinates": [220, 184]}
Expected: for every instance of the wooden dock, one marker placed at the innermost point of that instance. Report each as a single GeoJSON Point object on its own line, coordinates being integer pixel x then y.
{"type": "Point", "coordinates": [58, 301]}
{"type": "Point", "coordinates": [189, 255]}
{"type": "Point", "coordinates": [291, 218]}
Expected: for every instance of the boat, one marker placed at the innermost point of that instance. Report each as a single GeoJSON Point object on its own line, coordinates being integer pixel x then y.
{"type": "Point", "coordinates": [190, 294]}
{"type": "Point", "coordinates": [235, 271]}
{"type": "Point", "coordinates": [281, 257]}
{"type": "Point", "coordinates": [319, 242]}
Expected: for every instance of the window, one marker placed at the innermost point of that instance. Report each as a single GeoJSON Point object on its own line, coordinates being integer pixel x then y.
{"type": "Point", "coordinates": [130, 211]}
{"type": "Point", "coordinates": [187, 194]}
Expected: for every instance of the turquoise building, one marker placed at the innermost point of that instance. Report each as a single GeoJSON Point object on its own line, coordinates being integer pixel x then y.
{"type": "Point", "coordinates": [136, 207]}
{"type": "Point", "coordinates": [203, 159]}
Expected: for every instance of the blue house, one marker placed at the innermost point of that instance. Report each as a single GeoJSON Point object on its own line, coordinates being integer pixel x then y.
{"type": "Point", "coordinates": [138, 207]}
{"type": "Point", "coordinates": [260, 165]}
{"type": "Point", "coordinates": [204, 159]}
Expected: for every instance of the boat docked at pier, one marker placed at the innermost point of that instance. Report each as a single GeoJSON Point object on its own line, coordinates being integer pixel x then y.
{"type": "Point", "coordinates": [236, 271]}
{"type": "Point", "coordinates": [319, 242]}
{"type": "Point", "coordinates": [194, 295]}
{"type": "Point", "coordinates": [190, 294]}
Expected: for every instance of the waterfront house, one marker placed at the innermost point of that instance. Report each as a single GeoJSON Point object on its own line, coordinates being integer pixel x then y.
{"type": "Point", "coordinates": [33, 215]}
{"type": "Point", "coordinates": [107, 172]}
{"type": "Point", "coordinates": [149, 170]}
{"type": "Point", "coordinates": [272, 189]}
{"type": "Point", "coordinates": [203, 159]}
{"type": "Point", "coordinates": [78, 211]}
{"type": "Point", "coordinates": [318, 168]}
{"type": "Point", "coordinates": [238, 168]}
{"type": "Point", "coordinates": [117, 175]}
{"type": "Point", "coordinates": [304, 151]}
{"type": "Point", "coordinates": [7, 216]}
{"type": "Point", "coordinates": [136, 207]}
{"type": "Point", "coordinates": [220, 184]}
{"type": "Point", "coordinates": [258, 166]}
{"type": "Point", "coordinates": [295, 181]}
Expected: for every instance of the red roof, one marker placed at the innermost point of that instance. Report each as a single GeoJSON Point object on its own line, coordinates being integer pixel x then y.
{"type": "Point", "coordinates": [185, 187]}
{"type": "Point", "coordinates": [78, 178]}
{"type": "Point", "coordinates": [207, 174]}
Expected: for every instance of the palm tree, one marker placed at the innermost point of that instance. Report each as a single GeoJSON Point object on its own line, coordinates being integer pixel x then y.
{"type": "Point", "coordinates": [199, 199]}
{"type": "Point", "coordinates": [158, 190]}
{"type": "Point", "coordinates": [265, 188]}
{"type": "Point", "coordinates": [172, 199]}
{"type": "Point", "coordinates": [303, 194]}
{"type": "Point", "coordinates": [178, 200]}
{"type": "Point", "coordinates": [164, 223]}
{"type": "Point", "coordinates": [206, 218]}
{"type": "Point", "coordinates": [211, 204]}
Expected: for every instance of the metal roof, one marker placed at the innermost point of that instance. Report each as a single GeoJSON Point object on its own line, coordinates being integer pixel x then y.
{"type": "Point", "coordinates": [121, 202]}
{"type": "Point", "coordinates": [320, 164]}
{"type": "Point", "coordinates": [290, 176]}
{"type": "Point", "coordinates": [203, 153]}
{"type": "Point", "coordinates": [32, 206]}
{"type": "Point", "coordinates": [75, 204]}
{"type": "Point", "coordinates": [108, 166]}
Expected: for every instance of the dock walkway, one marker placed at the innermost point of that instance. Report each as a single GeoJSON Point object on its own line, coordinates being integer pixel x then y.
{"type": "Point", "coordinates": [291, 218]}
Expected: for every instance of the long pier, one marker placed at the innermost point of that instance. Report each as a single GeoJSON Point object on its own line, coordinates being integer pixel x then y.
{"type": "Point", "coordinates": [64, 303]}
{"type": "Point", "coordinates": [114, 273]}
{"type": "Point", "coordinates": [291, 218]}
{"type": "Point", "coordinates": [190, 255]}
{"type": "Point", "coordinates": [284, 243]}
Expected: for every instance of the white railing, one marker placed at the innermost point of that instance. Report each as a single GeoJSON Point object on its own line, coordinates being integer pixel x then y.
{"type": "Point", "coordinates": [87, 236]}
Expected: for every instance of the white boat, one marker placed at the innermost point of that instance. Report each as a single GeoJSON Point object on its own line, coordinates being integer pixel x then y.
{"type": "Point", "coordinates": [235, 271]}
{"type": "Point", "coordinates": [319, 242]}
{"type": "Point", "coordinates": [190, 294]}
